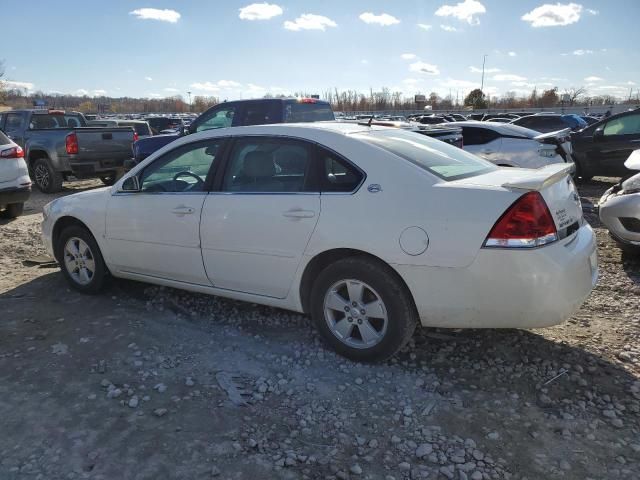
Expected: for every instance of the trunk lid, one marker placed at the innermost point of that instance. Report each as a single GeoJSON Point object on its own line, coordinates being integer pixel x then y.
{"type": "Point", "coordinates": [553, 182]}
{"type": "Point", "coordinates": [561, 139]}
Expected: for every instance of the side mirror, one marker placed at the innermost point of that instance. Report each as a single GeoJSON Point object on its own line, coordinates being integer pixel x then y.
{"type": "Point", "coordinates": [598, 133]}
{"type": "Point", "coordinates": [129, 163]}
{"type": "Point", "coordinates": [131, 184]}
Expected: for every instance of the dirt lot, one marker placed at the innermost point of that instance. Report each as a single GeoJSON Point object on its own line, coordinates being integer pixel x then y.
{"type": "Point", "coordinates": [129, 385]}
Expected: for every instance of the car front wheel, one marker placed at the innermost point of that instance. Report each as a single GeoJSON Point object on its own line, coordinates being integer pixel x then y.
{"type": "Point", "coordinates": [80, 260]}
{"type": "Point", "coordinates": [362, 309]}
{"type": "Point", "coordinates": [45, 177]}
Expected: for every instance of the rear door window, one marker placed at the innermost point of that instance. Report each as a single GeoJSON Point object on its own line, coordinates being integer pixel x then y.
{"type": "Point", "coordinates": [629, 125]}
{"type": "Point", "coordinates": [219, 117]}
{"type": "Point", "coordinates": [13, 122]}
{"type": "Point", "coordinates": [302, 111]}
{"type": "Point", "coordinates": [260, 113]}
{"type": "Point", "coordinates": [478, 135]}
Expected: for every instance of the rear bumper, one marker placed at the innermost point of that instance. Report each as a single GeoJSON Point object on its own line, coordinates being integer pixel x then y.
{"type": "Point", "coordinates": [612, 207]}
{"type": "Point", "coordinates": [14, 195]}
{"type": "Point", "coordinates": [508, 289]}
{"type": "Point", "coordinates": [94, 168]}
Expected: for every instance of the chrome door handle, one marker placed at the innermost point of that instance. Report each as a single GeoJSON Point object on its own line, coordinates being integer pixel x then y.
{"type": "Point", "coordinates": [182, 210]}
{"type": "Point", "coordinates": [299, 213]}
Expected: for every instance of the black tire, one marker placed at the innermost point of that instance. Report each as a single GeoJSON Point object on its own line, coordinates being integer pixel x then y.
{"type": "Point", "coordinates": [45, 177]}
{"type": "Point", "coordinates": [402, 316]}
{"type": "Point", "coordinates": [13, 210]}
{"type": "Point", "coordinates": [100, 274]}
{"type": "Point", "coordinates": [581, 174]}
{"type": "Point", "coordinates": [108, 180]}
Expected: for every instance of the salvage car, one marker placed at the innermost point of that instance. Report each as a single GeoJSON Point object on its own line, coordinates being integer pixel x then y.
{"type": "Point", "coordinates": [370, 230]}
{"type": "Point", "coordinates": [602, 148]}
{"type": "Point", "coordinates": [508, 145]}
{"type": "Point", "coordinates": [619, 207]}
{"type": "Point", "coordinates": [551, 122]}
{"type": "Point", "coordinates": [15, 184]}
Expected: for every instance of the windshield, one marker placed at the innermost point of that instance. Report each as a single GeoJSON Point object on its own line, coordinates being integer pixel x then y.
{"type": "Point", "coordinates": [308, 112]}
{"type": "Point", "coordinates": [140, 128]}
{"type": "Point", "coordinates": [443, 160]}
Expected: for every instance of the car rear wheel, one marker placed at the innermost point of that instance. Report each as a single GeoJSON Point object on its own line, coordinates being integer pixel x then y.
{"type": "Point", "coordinates": [362, 309]}
{"type": "Point", "coordinates": [80, 260]}
{"type": "Point", "coordinates": [45, 177]}
{"type": "Point", "coordinates": [13, 210]}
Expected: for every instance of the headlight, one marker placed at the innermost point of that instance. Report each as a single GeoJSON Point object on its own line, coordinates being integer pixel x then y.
{"type": "Point", "coordinates": [631, 185]}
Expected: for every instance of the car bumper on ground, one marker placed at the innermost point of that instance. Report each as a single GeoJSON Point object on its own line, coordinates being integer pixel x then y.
{"type": "Point", "coordinates": [614, 207]}
{"type": "Point", "coordinates": [9, 196]}
{"type": "Point", "coordinates": [505, 288]}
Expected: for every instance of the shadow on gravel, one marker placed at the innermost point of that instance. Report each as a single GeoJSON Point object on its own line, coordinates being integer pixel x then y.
{"type": "Point", "coordinates": [631, 263]}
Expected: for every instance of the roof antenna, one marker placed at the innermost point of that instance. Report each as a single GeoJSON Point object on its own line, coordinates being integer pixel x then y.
{"type": "Point", "coordinates": [370, 120]}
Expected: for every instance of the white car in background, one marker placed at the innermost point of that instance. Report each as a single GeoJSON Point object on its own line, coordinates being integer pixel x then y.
{"type": "Point", "coordinates": [513, 146]}
{"type": "Point", "coordinates": [370, 230]}
{"type": "Point", "coordinates": [15, 184]}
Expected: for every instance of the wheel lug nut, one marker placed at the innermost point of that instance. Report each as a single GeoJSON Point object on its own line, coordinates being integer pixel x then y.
{"type": "Point", "coordinates": [349, 319]}
{"type": "Point", "coordinates": [362, 312]}
{"type": "Point", "coordinates": [354, 304]}
{"type": "Point", "coordinates": [346, 309]}
{"type": "Point", "coordinates": [359, 321]}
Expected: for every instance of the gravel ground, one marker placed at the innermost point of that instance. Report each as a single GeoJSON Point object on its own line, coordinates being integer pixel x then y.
{"type": "Point", "coordinates": [152, 383]}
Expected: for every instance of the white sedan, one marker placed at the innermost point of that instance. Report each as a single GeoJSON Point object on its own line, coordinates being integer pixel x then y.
{"type": "Point", "coordinates": [510, 145]}
{"type": "Point", "coordinates": [369, 230]}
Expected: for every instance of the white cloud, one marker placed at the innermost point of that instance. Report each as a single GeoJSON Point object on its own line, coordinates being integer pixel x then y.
{"type": "Point", "coordinates": [18, 85]}
{"type": "Point", "coordinates": [410, 81]}
{"type": "Point", "coordinates": [581, 52]}
{"type": "Point", "coordinates": [260, 11]}
{"type": "Point", "coordinates": [527, 84]}
{"type": "Point", "coordinates": [99, 92]}
{"type": "Point", "coordinates": [592, 11]}
{"type": "Point", "coordinates": [423, 67]}
{"type": "Point", "coordinates": [453, 83]}
{"type": "Point", "coordinates": [309, 21]}
{"type": "Point", "coordinates": [383, 19]}
{"type": "Point", "coordinates": [165, 15]}
{"type": "Point", "coordinates": [631, 83]}
{"type": "Point", "coordinates": [593, 79]}
{"type": "Point", "coordinates": [171, 90]}
{"type": "Point", "coordinates": [486, 70]}
{"type": "Point", "coordinates": [408, 56]}
{"type": "Point", "coordinates": [364, 61]}
{"type": "Point", "coordinates": [512, 54]}
{"type": "Point", "coordinates": [503, 77]}
{"type": "Point", "coordinates": [154, 95]}
{"type": "Point", "coordinates": [448, 28]}
{"type": "Point", "coordinates": [82, 92]}
{"type": "Point", "coordinates": [148, 79]}
{"type": "Point", "coordinates": [424, 26]}
{"type": "Point", "coordinates": [465, 11]}
{"type": "Point", "coordinates": [215, 86]}
{"type": "Point", "coordinates": [549, 15]}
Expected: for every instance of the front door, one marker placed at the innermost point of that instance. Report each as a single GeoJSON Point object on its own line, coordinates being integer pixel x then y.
{"type": "Point", "coordinates": [156, 231]}
{"type": "Point", "coordinates": [256, 228]}
{"type": "Point", "coordinates": [619, 138]}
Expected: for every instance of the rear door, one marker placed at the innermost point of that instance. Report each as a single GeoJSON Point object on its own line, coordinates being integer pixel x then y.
{"type": "Point", "coordinates": [14, 127]}
{"type": "Point", "coordinates": [620, 136]}
{"type": "Point", "coordinates": [255, 229]}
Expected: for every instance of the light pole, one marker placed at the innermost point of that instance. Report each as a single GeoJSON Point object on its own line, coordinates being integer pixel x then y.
{"type": "Point", "coordinates": [484, 59]}
{"type": "Point", "coordinates": [189, 93]}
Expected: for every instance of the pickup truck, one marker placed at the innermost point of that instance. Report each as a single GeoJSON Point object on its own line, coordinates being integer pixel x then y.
{"type": "Point", "coordinates": [58, 145]}
{"type": "Point", "coordinates": [242, 113]}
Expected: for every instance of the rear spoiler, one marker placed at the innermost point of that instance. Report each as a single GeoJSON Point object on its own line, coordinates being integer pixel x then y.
{"type": "Point", "coordinates": [565, 132]}
{"type": "Point", "coordinates": [541, 178]}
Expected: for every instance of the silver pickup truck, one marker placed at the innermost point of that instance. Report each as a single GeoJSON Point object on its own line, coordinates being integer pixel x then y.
{"type": "Point", "coordinates": [58, 145]}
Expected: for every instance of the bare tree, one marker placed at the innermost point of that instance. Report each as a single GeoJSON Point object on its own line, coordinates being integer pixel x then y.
{"type": "Point", "coordinates": [2, 84]}
{"type": "Point", "coordinates": [574, 94]}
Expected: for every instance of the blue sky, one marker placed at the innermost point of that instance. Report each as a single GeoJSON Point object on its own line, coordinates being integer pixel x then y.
{"type": "Point", "coordinates": [236, 49]}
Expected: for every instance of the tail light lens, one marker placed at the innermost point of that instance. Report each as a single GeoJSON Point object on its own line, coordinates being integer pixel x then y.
{"type": "Point", "coordinates": [526, 224]}
{"type": "Point", "coordinates": [71, 142]}
{"type": "Point", "coordinates": [13, 152]}
{"type": "Point", "coordinates": [135, 136]}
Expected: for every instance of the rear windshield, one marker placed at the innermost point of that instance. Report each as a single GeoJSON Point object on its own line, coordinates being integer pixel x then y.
{"type": "Point", "coordinates": [4, 140]}
{"type": "Point", "coordinates": [307, 112]}
{"type": "Point", "coordinates": [445, 161]}
{"type": "Point", "coordinates": [47, 121]}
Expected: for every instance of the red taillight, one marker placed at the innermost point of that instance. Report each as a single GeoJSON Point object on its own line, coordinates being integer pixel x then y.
{"type": "Point", "coordinates": [307, 100]}
{"type": "Point", "coordinates": [13, 152]}
{"type": "Point", "coordinates": [71, 143]}
{"type": "Point", "coordinates": [135, 136]}
{"type": "Point", "coordinates": [527, 223]}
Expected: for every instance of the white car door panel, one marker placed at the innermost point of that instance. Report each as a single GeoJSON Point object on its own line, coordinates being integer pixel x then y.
{"type": "Point", "coordinates": [254, 231]}
{"type": "Point", "coordinates": [156, 231]}
{"type": "Point", "coordinates": [254, 243]}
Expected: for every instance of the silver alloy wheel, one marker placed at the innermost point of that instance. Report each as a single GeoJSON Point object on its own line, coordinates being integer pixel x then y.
{"type": "Point", "coordinates": [79, 261]}
{"type": "Point", "coordinates": [355, 313]}
{"type": "Point", "coordinates": [42, 176]}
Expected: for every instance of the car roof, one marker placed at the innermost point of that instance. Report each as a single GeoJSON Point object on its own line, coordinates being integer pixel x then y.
{"type": "Point", "coordinates": [502, 128]}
